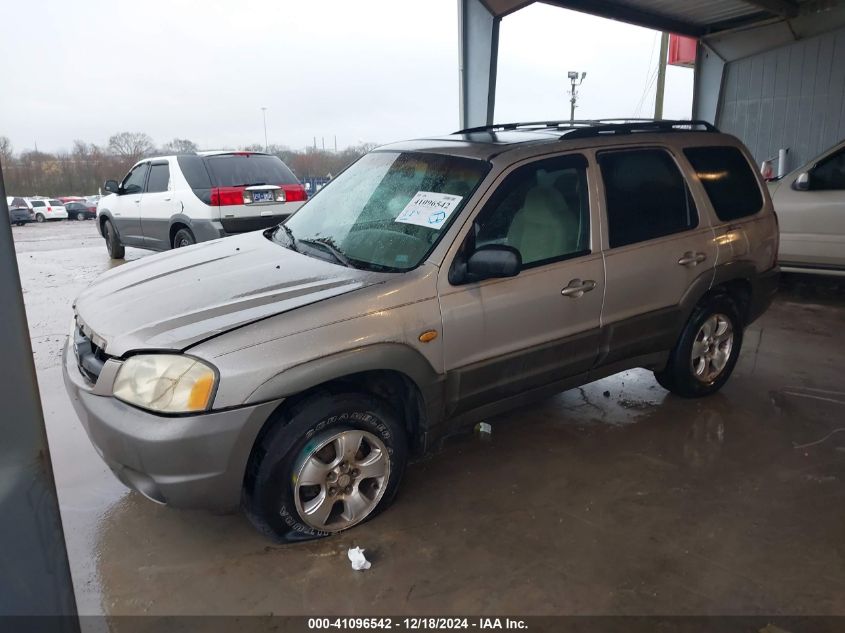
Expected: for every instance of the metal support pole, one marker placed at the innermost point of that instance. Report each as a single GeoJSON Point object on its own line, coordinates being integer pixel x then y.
{"type": "Point", "coordinates": [34, 571]}
{"type": "Point", "coordinates": [661, 76]}
{"type": "Point", "coordinates": [264, 112]}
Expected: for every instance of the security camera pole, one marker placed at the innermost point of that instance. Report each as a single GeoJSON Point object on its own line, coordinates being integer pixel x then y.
{"type": "Point", "coordinates": [575, 81]}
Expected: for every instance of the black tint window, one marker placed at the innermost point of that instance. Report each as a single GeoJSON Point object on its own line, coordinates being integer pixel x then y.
{"type": "Point", "coordinates": [234, 170]}
{"type": "Point", "coordinates": [829, 174]}
{"type": "Point", "coordinates": [134, 181]}
{"type": "Point", "coordinates": [159, 178]}
{"type": "Point", "coordinates": [646, 196]}
{"type": "Point", "coordinates": [541, 209]}
{"type": "Point", "coordinates": [38, 203]}
{"type": "Point", "coordinates": [728, 180]}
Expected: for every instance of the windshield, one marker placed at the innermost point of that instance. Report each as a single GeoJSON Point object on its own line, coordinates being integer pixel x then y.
{"type": "Point", "coordinates": [387, 211]}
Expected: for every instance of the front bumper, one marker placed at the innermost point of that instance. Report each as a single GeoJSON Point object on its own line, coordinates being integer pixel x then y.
{"type": "Point", "coordinates": [16, 217]}
{"type": "Point", "coordinates": [192, 461]}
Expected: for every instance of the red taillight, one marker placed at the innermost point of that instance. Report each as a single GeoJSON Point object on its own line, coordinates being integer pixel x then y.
{"type": "Point", "coordinates": [227, 196]}
{"type": "Point", "coordinates": [49, 209]}
{"type": "Point", "coordinates": [294, 193]}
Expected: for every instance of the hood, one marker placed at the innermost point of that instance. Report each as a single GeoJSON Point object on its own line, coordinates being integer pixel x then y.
{"type": "Point", "coordinates": [176, 299]}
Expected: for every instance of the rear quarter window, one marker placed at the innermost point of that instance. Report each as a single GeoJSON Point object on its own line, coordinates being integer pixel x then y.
{"type": "Point", "coordinates": [728, 179]}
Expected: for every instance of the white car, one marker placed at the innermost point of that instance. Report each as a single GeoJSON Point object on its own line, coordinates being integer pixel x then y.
{"type": "Point", "coordinates": [47, 209]}
{"type": "Point", "coordinates": [810, 203]}
{"type": "Point", "coordinates": [173, 201]}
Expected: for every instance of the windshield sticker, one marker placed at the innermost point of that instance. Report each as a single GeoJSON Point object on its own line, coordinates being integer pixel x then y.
{"type": "Point", "coordinates": [430, 209]}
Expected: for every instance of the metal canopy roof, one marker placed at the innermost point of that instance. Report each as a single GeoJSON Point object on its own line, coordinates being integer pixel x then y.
{"type": "Point", "coordinates": [687, 17]}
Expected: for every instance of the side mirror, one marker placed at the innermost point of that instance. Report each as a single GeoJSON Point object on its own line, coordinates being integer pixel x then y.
{"type": "Point", "coordinates": [488, 262]}
{"type": "Point", "coordinates": [802, 183]}
{"type": "Point", "coordinates": [111, 186]}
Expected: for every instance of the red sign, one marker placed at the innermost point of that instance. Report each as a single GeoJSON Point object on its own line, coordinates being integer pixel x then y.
{"type": "Point", "coordinates": [682, 50]}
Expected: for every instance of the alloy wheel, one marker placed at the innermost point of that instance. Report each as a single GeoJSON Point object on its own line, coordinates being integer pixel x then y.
{"type": "Point", "coordinates": [712, 348]}
{"type": "Point", "coordinates": [339, 478]}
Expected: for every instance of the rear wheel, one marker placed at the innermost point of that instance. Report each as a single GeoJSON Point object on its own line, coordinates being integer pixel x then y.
{"type": "Point", "coordinates": [707, 350]}
{"type": "Point", "coordinates": [115, 248]}
{"type": "Point", "coordinates": [40, 217]}
{"type": "Point", "coordinates": [183, 238]}
{"type": "Point", "coordinates": [80, 216]}
{"type": "Point", "coordinates": [329, 463]}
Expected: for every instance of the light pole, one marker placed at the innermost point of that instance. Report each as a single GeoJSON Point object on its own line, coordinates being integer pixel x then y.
{"type": "Point", "coordinates": [264, 113]}
{"type": "Point", "coordinates": [575, 82]}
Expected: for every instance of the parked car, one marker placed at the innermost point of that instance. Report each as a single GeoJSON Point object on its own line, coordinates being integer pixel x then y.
{"type": "Point", "coordinates": [65, 199]}
{"type": "Point", "coordinates": [432, 284]}
{"type": "Point", "coordinates": [20, 212]}
{"type": "Point", "coordinates": [810, 203]}
{"type": "Point", "coordinates": [80, 211]}
{"type": "Point", "coordinates": [47, 209]}
{"type": "Point", "coordinates": [175, 201]}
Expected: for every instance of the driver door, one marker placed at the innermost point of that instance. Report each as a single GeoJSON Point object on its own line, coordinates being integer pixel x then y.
{"type": "Point", "coordinates": [503, 337]}
{"type": "Point", "coordinates": [126, 210]}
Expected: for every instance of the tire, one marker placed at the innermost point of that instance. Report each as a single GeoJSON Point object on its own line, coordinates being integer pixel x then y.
{"type": "Point", "coordinates": [39, 217]}
{"type": "Point", "coordinates": [115, 248]}
{"type": "Point", "coordinates": [698, 371]}
{"type": "Point", "coordinates": [276, 495]}
{"type": "Point", "coordinates": [80, 216]}
{"type": "Point", "coordinates": [183, 238]}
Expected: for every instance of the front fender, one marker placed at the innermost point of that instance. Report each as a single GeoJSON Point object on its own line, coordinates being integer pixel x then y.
{"type": "Point", "coordinates": [380, 356]}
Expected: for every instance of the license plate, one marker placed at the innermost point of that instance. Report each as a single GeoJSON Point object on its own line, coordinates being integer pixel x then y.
{"type": "Point", "coordinates": [262, 196]}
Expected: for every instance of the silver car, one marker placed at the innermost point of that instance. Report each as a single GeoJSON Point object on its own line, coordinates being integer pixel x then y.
{"type": "Point", "coordinates": [810, 203]}
{"type": "Point", "coordinates": [432, 284]}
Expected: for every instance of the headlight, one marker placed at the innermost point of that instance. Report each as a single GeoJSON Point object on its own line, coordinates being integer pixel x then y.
{"type": "Point", "coordinates": [165, 382]}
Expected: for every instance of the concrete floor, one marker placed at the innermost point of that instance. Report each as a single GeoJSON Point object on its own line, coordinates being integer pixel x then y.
{"type": "Point", "coordinates": [611, 499]}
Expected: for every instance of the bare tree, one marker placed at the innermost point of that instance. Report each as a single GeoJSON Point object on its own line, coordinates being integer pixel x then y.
{"type": "Point", "coordinates": [5, 150]}
{"type": "Point", "coordinates": [179, 146]}
{"type": "Point", "coordinates": [131, 146]}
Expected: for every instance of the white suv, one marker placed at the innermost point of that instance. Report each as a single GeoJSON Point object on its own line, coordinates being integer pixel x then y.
{"type": "Point", "coordinates": [173, 201]}
{"type": "Point", "coordinates": [47, 209]}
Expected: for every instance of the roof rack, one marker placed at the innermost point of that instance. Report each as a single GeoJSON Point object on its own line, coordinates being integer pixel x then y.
{"type": "Point", "coordinates": [600, 127]}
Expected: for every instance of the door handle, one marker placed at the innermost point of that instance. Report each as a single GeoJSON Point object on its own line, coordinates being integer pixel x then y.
{"type": "Point", "coordinates": [691, 259]}
{"type": "Point", "coordinates": [577, 288]}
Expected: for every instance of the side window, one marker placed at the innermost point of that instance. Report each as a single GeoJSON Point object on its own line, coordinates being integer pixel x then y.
{"type": "Point", "coordinates": [542, 210]}
{"type": "Point", "coordinates": [134, 181]}
{"type": "Point", "coordinates": [728, 180]}
{"type": "Point", "coordinates": [159, 178]}
{"type": "Point", "coordinates": [646, 196]}
{"type": "Point", "coordinates": [829, 174]}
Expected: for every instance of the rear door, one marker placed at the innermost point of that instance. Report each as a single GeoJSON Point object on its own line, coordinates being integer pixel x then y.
{"type": "Point", "coordinates": [126, 209]}
{"type": "Point", "coordinates": [745, 234]}
{"type": "Point", "coordinates": [158, 205]}
{"type": "Point", "coordinates": [656, 247]}
{"type": "Point", "coordinates": [812, 221]}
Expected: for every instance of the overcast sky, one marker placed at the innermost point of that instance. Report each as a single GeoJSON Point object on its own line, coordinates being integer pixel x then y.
{"type": "Point", "coordinates": [373, 70]}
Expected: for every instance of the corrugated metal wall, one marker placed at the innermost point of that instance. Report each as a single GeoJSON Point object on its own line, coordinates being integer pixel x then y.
{"type": "Point", "coordinates": [793, 96]}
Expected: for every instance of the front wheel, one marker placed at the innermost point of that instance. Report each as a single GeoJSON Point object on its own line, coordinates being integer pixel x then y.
{"type": "Point", "coordinates": [706, 352]}
{"type": "Point", "coordinates": [80, 216]}
{"type": "Point", "coordinates": [115, 248]}
{"type": "Point", "coordinates": [40, 218]}
{"type": "Point", "coordinates": [326, 465]}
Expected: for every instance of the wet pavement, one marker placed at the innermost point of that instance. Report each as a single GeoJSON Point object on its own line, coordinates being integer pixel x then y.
{"type": "Point", "coordinates": [615, 498]}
